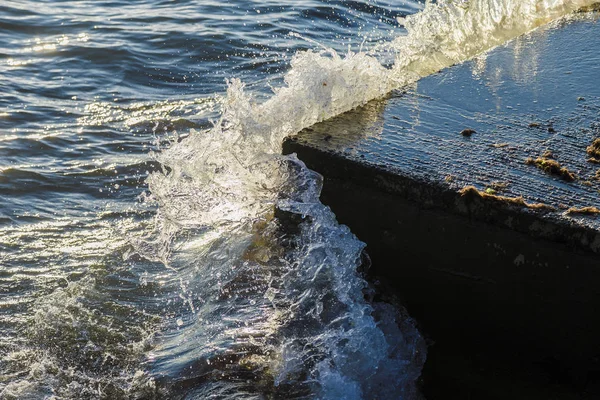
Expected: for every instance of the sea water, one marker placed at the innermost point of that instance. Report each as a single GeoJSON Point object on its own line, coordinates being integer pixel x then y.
{"type": "Point", "coordinates": [154, 243]}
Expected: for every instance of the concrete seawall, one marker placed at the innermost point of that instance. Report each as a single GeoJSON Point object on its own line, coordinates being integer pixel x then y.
{"type": "Point", "coordinates": [476, 193]}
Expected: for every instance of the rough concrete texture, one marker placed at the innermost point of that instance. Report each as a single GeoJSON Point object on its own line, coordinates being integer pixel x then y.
{"type": "Point", "coordinates": [497, 258]}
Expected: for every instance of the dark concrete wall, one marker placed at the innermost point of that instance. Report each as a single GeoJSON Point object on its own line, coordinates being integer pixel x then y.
{"type": "Point", "coordinates": [509, 313]}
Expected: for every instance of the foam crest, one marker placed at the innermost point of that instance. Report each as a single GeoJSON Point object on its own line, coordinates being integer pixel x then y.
{"type": "Point", "coordinates": [451, 31]}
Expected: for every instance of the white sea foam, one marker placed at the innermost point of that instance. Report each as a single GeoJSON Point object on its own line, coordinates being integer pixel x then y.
{"type": "Point", "coordinates": [451, 31]}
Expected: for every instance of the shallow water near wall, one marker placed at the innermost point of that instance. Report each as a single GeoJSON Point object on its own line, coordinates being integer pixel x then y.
{"type": "Point", "coordinates": [154, 242]}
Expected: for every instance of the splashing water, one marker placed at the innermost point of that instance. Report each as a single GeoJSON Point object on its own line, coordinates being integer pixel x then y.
{"type": "Point", "coordinates": [286, 310]}
{"type": "Point", "coordinates": [452, 31]}
{"type": "Point", "coordinates": [261, 284]}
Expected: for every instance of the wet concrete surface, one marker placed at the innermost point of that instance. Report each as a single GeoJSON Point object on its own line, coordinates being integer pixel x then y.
{"type": "Point", "coordinates": [495, 256]}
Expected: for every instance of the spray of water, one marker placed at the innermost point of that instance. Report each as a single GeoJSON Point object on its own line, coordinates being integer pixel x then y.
{"type": "Point", "coordinates": [261, 284]}
{"type": "Point", "coordinates": [314, 332]}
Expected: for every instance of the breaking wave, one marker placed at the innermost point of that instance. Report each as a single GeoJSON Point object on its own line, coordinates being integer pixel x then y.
{"type": "Point", "coordinates": [247, 287]}
{"type": "Point", "coordinates": [275, 302]}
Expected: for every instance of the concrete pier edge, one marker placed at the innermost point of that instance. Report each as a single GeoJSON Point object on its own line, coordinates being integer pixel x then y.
{"type": "Point", "coordinates": [478, 200]}
{"type": "Point", "coordinates": [505, 293]}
